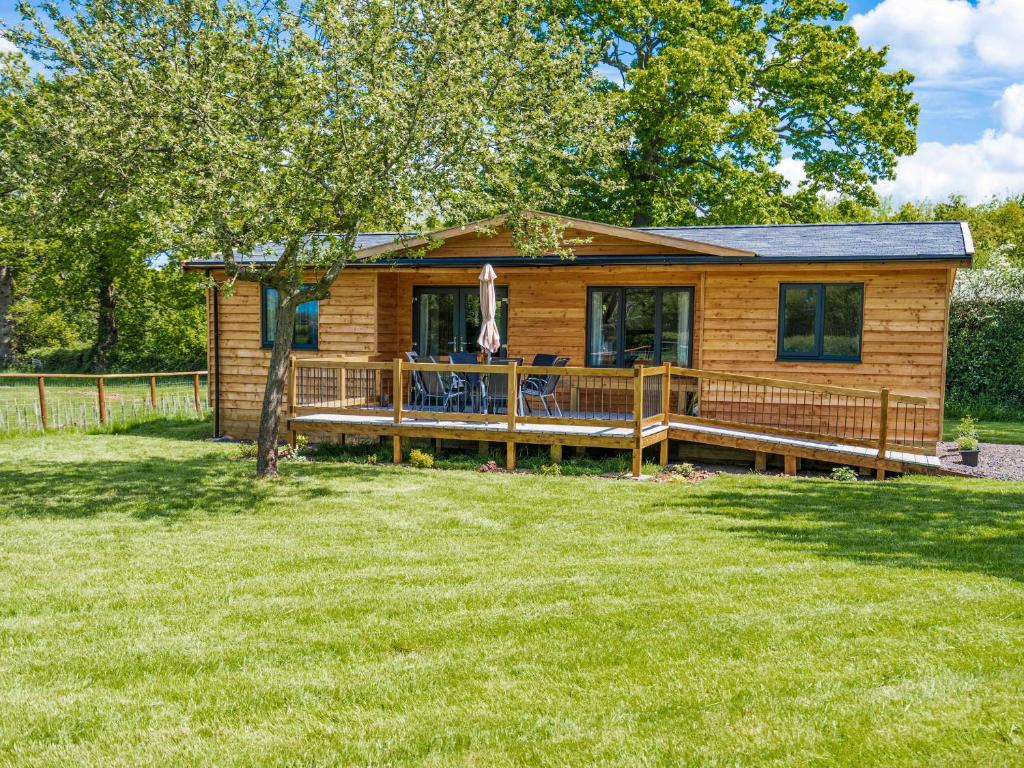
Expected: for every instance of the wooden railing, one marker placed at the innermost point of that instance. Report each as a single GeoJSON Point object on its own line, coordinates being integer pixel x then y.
{"type": "Point", "coordinates": [34, 401]}
{"type": "Point", "coordinates": [635, 399]}
{"type": "Point", "coordinates": [871, 418]}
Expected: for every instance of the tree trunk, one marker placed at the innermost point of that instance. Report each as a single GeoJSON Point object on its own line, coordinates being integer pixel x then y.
{"type": "Point", "coordinates": [107, 330]}
{"type": "Point", "coordinates": [643, 181]}
{"type": "Point", "coordinates": [6, 320]}
{"type": "Point", "coordinates": [273, 393]}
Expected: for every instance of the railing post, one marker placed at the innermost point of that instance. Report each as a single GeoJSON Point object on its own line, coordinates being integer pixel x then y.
{"type": "Point", "coordinates": [512, 395]}
{"type": "Point", "coordinates": [396, 389]}
{"type": "Point", "coordinates": [102, 395]}
{"type": "Point", "coordinates": [638, 419]}
{"type": "Point", "coordinates": [883, 424]}
{"type": "Point", "coordinates": [293, 398]}
{"type": "Point", "coordinates": [152, 391]}
{"type": "Point", "coordinates": [666, 394]}
{"type": "Point", "coordinates": [638, 397]}
{"type": "Point", "coordinates": [195, 393]}
{"type": "Point", "coordinates": [512, 398]}
{"type": "Point", "coordinates": [43, 418]}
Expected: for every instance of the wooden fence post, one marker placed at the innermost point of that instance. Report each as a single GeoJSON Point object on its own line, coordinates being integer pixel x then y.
{"type": "Point", "coordinates": [102, 395]}
{"type": "Point", "coordinates": [42, 402]}
{"type": "Point", "coordinates": [152, 391]}
{"type": "Point", "coordinates": [396, 389]}
{"type": "Point", "coordinates": [666, 394]}
{"type": "Point", "coordinates": [638, 419]}
{"type": "Point", "coordinates": [883, 431]}
{"type": "Point", "coordinates": [195, 393]}
{"type": "Point", "coordinates": [293, 392]}
{"type": "Point", "coordinates": [512, 398]}
{"type": "Point", "coordinates": [512, 395]}
{"type": "Point", "coordinates": [883, 424]}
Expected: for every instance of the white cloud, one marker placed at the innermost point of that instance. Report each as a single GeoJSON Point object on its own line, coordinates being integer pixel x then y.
{"type": "Point", "coordinates": [992, 166]}
{"type": "Point", "coordinates": [999, 33]}
{"type": "Point", "coordinates": [6, 46]}
{"type": "Point", "coordinates": [792, 171]}
{"type": "Point", "coordinates": [1011, 108]}
{"type": "Point", "coordinates": [932, 38]}
{"type": "Point", "coordinates": [924, 36]}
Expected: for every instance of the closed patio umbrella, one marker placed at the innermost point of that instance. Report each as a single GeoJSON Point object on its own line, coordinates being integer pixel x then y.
{"type": "Point", "coordinates": [490, 338]}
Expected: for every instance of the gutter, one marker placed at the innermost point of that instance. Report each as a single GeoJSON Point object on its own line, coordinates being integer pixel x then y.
{"type": "Point", "coordinates": [630, 260]}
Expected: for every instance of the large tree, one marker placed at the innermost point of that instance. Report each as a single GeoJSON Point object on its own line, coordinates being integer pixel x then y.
{"type": "Point", "coordinates": [76, 189]}
{"type": "Point", "coordinates": [713, 95]}
{"type": "Point", "coordinates": [300, 123]}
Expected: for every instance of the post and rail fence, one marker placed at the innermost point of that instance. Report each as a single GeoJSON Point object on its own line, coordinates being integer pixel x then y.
{"type": "Point", "coordinates": [511, 395]}
{"type": "Point", "coordinates": [43, 401]}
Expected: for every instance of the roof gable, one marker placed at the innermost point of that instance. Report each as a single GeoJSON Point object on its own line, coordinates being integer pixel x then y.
{"type": "Point", "coordinates": [668, 244]}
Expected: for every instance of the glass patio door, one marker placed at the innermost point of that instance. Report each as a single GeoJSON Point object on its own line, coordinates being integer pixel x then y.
{"type": "Point", "coordinates": [448, 319]}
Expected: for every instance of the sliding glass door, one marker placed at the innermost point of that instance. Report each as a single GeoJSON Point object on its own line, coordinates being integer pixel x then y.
{"type": "Point", "coordinates": [448, 319]}
{"type": "Point", "coordinates": [639, 326]}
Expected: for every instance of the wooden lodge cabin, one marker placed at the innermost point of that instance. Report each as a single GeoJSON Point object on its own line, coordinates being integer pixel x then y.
{"type": "Point", "coordinates": [783, 333]}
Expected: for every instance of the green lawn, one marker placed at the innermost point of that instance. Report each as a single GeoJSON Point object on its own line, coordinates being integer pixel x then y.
{"type": "Point", "coordinates": [158, 607]}
{"type": "Point", "coordinates": [990, 431]}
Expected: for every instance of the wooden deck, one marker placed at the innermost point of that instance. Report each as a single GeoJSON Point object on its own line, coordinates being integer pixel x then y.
{"type": "Point", "coordinates": [871, 430]}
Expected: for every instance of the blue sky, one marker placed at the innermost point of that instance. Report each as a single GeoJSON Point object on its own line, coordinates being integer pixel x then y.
{"type": "Point", "coordinates": [968, 56]}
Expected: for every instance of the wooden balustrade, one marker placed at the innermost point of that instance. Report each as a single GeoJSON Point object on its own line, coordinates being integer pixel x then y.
{"type": "Point", "coordinates": [861, 417]}
{"type": "Point", "coordinates": [513, 396]}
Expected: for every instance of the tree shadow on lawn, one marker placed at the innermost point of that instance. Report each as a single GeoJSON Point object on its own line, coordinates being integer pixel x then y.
{"type": "Point", "coordinates": [160, 486]}
{"type": "Point", "coordinates": [145, 488]}
{"type": "Point", "coordinates": [964, 526]}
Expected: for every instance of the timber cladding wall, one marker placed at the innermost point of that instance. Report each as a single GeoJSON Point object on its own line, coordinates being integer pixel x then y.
{"type": "Point", "coordinates": [369, 313]}
{"type": "Point", "coordinates": [348, 326]}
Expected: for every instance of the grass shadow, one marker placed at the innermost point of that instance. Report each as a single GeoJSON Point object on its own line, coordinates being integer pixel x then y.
{"type": "Point", "coordinates": [144, 488]}
{"type": "Point", "coordinates": [968, 526]}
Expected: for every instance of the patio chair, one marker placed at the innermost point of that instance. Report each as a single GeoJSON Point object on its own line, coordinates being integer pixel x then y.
{"type": "Point", "coordinates": [497, 386]}
{"type": "Point", "coordinates": [441, 390]}
{"type": "Point", "coordinates": [473, 382]}
{"type": "Point", "coordinates": [543, 388]}
{"type": "Point", "coordinates": [419, 388]}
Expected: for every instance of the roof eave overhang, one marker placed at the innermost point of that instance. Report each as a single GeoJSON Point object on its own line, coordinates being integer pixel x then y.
{"type": "Point", "coordinates": [958, 260]}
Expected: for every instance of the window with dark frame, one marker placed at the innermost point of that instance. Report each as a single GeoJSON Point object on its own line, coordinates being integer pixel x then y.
{"type": "Point", "coordinates": [305, 335]}
{"type": "Point", "coordinates": [447, 319]}
{"type": "Point", "coordinates": [821, 321]}
{"type": "Point", "coordinates": [641, 325]}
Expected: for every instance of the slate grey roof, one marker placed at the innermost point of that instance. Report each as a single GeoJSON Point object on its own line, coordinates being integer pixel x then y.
{"type": "Point", "coordinates": [272, 251]}
{"type": "Point", "coordinates": [811, 242]}
{"type": "Point", "coordinates": [805, 243]}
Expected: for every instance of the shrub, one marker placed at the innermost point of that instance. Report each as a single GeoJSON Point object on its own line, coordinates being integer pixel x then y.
{"type": "Point", "coordinates": [246, 451]}
{"type": "Point", "coordinates": [967, 428]}
{"type": "Point", "coordinates": [551, 469]}
{"type": "Point", "coordinates": [683, 470]}
{"type": "Point", "coordinates": [421, 459]}
{"type": "Point", "coordinates": [967, 443]}
{"type": "Point", "coordinates": [843, 474]}
{"type": "Point", "coordinates": [986, 343]}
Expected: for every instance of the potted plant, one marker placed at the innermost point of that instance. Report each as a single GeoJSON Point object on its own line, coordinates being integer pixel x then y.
{"type": "Point", "coordinates": [967, 441]}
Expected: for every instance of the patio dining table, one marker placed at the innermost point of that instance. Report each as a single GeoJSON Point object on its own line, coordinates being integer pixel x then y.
{"type": "Point", "coordinates": [478, 386]}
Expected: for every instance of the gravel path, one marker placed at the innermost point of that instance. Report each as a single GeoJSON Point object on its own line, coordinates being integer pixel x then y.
{"type": "Point", "coordinates": [999, 462]}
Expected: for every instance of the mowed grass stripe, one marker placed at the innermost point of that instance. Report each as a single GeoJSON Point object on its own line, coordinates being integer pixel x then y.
{"type": "Point", "coordinates": [157, 606]}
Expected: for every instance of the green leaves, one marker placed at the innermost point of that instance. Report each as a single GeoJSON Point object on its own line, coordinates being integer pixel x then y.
{"type": "Point", "coordinates": [712, 94]}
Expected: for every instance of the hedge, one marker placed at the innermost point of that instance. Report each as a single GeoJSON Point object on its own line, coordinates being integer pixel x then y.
{"type": "Point", "coordinates": [985, 372]}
